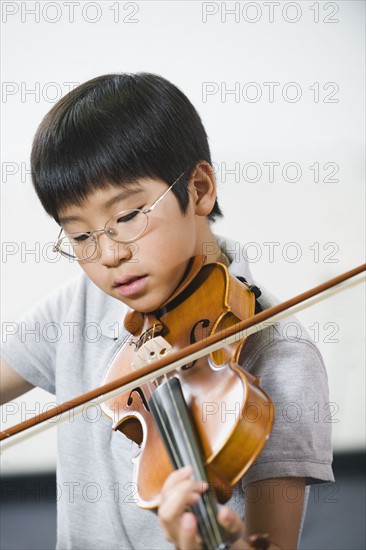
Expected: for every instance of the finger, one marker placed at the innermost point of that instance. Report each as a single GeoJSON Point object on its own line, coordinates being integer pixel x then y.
{"type": "Point", "coordinates": [181, 496]}
{"type": "Point", "coordinates": [188, 538]}
{"type": "Point", "coordinates": [180, 534]}
{"type": "Point", "coordinates": [175, 477]}
{"type": "Point", "coordinates": [180, 483]}
{"type": "Point", "coordinates": [231, 522]}
{"type": "Point", "coordinates": [178, 492]}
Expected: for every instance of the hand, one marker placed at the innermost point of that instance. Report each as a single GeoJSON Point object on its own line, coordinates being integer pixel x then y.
{"type": "Point", "coordinates": [180, 527]}
{"type": "Point", "coordinates": [178, 493]}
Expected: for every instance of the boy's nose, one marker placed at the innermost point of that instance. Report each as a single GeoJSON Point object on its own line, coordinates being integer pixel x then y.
{"type": "Point", "coordinates": [112, 253]}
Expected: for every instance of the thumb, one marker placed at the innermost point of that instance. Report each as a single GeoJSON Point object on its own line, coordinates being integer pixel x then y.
{"type": "Point", "coordinates": [231, 522]}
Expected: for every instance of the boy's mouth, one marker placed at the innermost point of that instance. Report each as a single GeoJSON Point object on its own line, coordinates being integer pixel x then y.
{"type": "Point", "coordinates": [130, 284]}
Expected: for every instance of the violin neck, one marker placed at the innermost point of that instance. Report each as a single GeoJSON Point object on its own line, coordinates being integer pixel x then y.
{"type": "Point", "coordinates": [177, 430]}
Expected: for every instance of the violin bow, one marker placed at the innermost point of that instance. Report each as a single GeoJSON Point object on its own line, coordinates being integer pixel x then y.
{"type": "Point", "coordinates": [177, 359]}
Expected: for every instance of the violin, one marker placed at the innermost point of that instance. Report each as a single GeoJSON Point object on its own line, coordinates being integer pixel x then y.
{"type": "Point", "coordinates": [150, 328]}
{"type": "Point", "coordinates": [209, 413]}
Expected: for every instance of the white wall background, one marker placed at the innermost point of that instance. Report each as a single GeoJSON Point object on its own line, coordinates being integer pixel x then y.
{"type": "Point", "coordinates": [206, 51]}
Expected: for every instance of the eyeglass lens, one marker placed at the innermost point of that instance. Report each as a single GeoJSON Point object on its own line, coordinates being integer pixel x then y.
{"type": "Point", "coordinates": [124, 227]}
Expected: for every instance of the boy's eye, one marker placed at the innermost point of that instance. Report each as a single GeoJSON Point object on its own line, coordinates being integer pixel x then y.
{"type": "Point", "coordinates": [79, 238]}
{"type": "Point", "coordinates": [128, 216]}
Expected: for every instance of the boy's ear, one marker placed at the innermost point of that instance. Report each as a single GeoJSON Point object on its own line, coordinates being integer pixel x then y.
{"type": "Point", "coordinates": [202, 188]}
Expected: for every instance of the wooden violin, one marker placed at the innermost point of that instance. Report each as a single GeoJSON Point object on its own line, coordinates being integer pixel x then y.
{"type": "Point", "coordinates": [209, 413]}
{"type": "Point", "coordinates": [144, 329]}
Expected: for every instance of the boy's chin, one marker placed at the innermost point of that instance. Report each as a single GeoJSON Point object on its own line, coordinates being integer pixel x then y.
{"type": "Point", "coordinates": [146, 304]}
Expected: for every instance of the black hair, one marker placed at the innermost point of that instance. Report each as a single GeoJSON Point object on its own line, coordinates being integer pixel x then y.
{"type": "Point", "coordinates": [114, 129]}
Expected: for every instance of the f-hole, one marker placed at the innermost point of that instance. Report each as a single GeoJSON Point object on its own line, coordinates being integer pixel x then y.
{"type": "Point", "coordinates": [205, 323]}
{"type": "Point", "coordinates": [142, 397]}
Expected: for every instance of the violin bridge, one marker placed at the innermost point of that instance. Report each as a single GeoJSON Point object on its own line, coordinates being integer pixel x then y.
{"type": "Point", "coordinates": [150, 351]}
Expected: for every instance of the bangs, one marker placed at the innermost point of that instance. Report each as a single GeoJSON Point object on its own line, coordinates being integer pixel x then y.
{"type": "Point", "coordinates": [116, 129]}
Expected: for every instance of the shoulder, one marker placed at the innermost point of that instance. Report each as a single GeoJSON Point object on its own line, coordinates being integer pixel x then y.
{"type": "Point", "coordinates": [282, 352]}
{"type": "Point", "coordinates": [79, 297]}
{"type": "Point", "coordinates": [285, 340]}
{"type": "Point", "coordinates": [52, 340]}
{"type": "Point", "coordinates": [68, 308]}
{"type": "Point", "coordinates": [61, 297]}
{"type": "Point", "coordinates": [287, 343]}
{"type": "Point", "coordinates": [289, 370]}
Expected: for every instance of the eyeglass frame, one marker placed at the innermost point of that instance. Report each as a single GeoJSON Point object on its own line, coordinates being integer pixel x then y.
{"type": "Point", "coordinates": [56, 247]}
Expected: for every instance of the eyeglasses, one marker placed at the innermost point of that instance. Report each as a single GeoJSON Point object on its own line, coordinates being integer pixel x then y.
{"type": "Point", "coordinates": [123, 227]}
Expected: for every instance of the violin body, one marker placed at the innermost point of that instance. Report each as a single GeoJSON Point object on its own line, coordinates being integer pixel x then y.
{"type": "Point", "coordinates": [232, 415]}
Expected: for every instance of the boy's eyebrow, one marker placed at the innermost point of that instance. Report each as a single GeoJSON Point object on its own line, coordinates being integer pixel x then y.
{"type": "Point", "coordinates": [128, 191]}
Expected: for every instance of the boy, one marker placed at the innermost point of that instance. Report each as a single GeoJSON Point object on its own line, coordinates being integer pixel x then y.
{"type": "Point", "coordinates": [123, 165]}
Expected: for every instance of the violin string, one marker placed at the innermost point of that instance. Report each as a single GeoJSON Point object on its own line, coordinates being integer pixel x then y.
{"type": "Point", "coordinates": [161, 418]}
{"type": "Point", "coordinates": [207, 514]}
{"type": "Point", "coordinates": [211, 525]}
{"type": "Point", "coordinates": [153, 382]}
{"type": "Point", "coordinates": [179, 463]}
{"type": "Point", "coordinates": [176, 456]}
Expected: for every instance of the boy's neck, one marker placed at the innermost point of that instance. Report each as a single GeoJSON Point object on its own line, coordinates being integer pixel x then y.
{"type": "Point", "coordinates": [222, 258]}
{"type": "Point", "coordinates": [209, 243]}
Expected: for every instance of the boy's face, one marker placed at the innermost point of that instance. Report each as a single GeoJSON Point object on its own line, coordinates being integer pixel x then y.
{"type": "Point", "coordinates": [144, 273]}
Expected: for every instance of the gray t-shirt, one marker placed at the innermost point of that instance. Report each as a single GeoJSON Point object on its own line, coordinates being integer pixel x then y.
{"type": "Point", "coordinates": [64, 345]}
